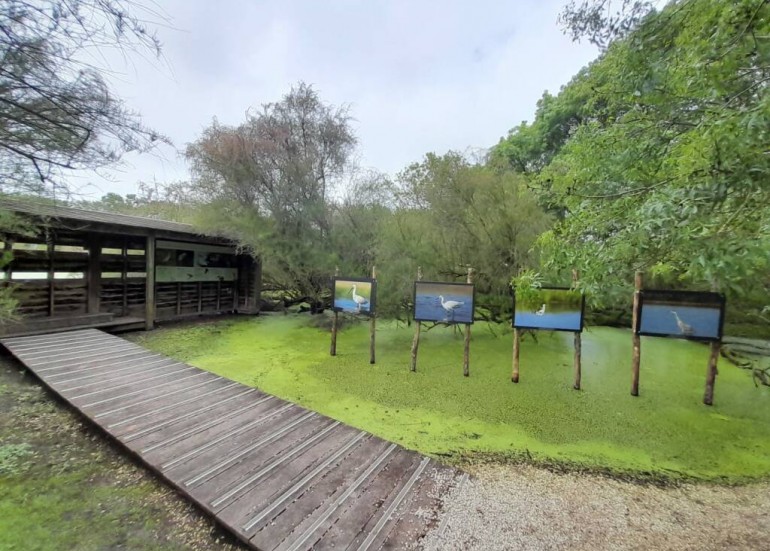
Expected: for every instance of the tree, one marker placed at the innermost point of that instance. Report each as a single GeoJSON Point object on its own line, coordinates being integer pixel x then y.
{"type": "Point", "coordinates": [666, 167]}
{"type": "Point", "coordinates": [57, 113]}
{"type": "Point", "coordinates": [276, 170]}
{"type": "Point", "coordinates": [602, 21]}
{"type": "Point", "coordinates": [452, 214]}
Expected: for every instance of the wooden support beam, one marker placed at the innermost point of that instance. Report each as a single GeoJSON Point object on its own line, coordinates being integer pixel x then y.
{"type": "Point", "coordinates": [256, 288]}
{"type": "Point", "coordinates": [416, 340]}
{"type": "Point", "coordinates": [577, 362]}
{"type": "Point", "coordinates": [51, 272]}
{"type": "Point", "coordinates": [577, 366]}
{"type": "Point", "coordinates": [711, 374]}
{"type": "Point", "coordinates": [372, 324]}
{"type": "Point", "coordinates": [335, 322]}
{"type": "Point", "coordinates": [516, 347]}
{"type": "Point", "coordinates": [124, 275]}
{"type": "Point", "coordinates": [94, 276]}
{"type": "Point", "coordinates": [149, 292]}
{"type": "Point", "coordinates": [7, 251]}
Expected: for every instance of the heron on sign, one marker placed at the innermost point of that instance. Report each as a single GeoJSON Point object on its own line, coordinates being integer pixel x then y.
{"type": "Point", "coordinates": [450, 306]}
{"type": "Point", "coordinates": [684, 328]}
{"type": "Point", "coordinates": [358, 299]}
{"type": "Point", "coordinates": [541, 311]}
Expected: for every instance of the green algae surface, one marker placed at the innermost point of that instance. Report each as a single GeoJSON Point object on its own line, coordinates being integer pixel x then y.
{"type": "Point", "coordinates": [664, 433]}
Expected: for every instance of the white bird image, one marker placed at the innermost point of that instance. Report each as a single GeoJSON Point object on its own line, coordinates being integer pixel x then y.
{"type": "Point", "coordinates": [450, 306]}
{"type": "Point", "coordinates": [358, 299]}
{"type": "Point", "coordinates": [684, 328]}
{"type": "Point", "coordinates": [541, 311]}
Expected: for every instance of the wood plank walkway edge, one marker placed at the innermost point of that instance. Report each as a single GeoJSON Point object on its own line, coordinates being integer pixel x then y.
{"type": "Point", "coordinates": [277, 476]}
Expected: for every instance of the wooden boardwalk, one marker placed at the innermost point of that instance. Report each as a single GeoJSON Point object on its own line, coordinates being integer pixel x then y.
{"type": "Point", "coordinates": [277, 475]}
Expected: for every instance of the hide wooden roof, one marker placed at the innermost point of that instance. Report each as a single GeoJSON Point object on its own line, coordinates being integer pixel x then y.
{"type": "Point", "coordinates": [103, 221]}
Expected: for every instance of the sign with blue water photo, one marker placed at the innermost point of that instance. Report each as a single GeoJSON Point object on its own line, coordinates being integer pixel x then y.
{"type": "Point", "coordinates": [443, 302]}
{"type": "Point", "coordinates": [354, 296]}
{"type": "Point", "coordinates": [681, 314]}
{"type": "Point", "coordinates": [550, 308]}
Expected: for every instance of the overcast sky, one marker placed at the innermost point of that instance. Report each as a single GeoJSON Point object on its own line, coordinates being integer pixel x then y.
{"type": "Point", "coordinates": [419, 76]}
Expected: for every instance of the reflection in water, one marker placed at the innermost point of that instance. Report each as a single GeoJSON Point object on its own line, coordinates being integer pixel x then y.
{"type": "Point", "coordinates": [349, 305]}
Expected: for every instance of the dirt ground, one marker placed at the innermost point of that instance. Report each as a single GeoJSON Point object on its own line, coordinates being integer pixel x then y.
{"type": "Point", "coordinates": [529, 508]}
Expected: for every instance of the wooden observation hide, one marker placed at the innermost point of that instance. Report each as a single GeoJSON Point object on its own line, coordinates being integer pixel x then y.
{"type": "Point", "coordinates": [83, 268]}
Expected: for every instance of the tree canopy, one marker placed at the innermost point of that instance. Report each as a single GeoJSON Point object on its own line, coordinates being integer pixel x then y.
{"type": "Point", "coordinates": [656, 156]}
{"type": "Point", "coordinates": [269, 180]}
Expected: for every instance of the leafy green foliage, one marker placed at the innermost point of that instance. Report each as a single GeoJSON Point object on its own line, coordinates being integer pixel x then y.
{"type": "Point", "coordinates": [451, 215]}
{"type": "Point", "coordinates": [655, 155]}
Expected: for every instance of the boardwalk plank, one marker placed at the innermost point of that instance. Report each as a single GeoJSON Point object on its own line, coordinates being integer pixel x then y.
{"type": "Point", "coordinates": [371, 504]}
{"type": "Point", "coordinates": [331, 498]}
{"type": "Point", "coordinates": [277, 475]}
{"type": "Point", "coordinates": [225, 480]}
{"type": "Point", "coordinates": [222, 439]}
{"type": "Point", "coordinates": [178, 422]}
{"type": "Point", "coordinates": [252, 510]}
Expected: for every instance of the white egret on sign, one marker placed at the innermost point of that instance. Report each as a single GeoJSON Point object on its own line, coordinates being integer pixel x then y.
{"type": "Point", "coordinates": [358, 299]}
{"type": "Point", "coordinates": [450, 306]}
{"type": "Point", "coordinates": [684, 328]}
{"type": "Point", "coordinates": [541, 311]}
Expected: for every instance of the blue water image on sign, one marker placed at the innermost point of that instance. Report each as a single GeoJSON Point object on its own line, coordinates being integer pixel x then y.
{"type": "Point", "coordinates": [355, 296]}
{"type": "Point", "coordinates": [443, 303]}
{"type": "Point", "coordinates": [680, 321]}
{"type": "Point", "coordinates": [564, 320]}
{"type": "Point", "coordinates": [349, 305]}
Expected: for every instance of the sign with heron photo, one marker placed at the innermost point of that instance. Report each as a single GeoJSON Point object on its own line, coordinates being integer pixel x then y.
{"type": "Point", "coordinates": [354, 296]}
{"type": "Point", "coordinates": [443, 302]}
{"type": "Point", "coordinates": [550, 308]}
{"type": "Point", "coordinates": [681, 314]}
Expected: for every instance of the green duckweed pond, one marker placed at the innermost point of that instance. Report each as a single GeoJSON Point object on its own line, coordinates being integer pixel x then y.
{"type": "Point", "coordinates": [665, 433]}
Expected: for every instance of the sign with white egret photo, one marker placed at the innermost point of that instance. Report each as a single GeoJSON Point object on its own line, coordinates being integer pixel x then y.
{"type": "Point", "coordinates": [354, 296]}
{"type": "Point", "coordinates": [681, 314]}
{"type": "Point", "coordinates": [551, 308]}
{"type": "Point", "coordinates": [443, 302]}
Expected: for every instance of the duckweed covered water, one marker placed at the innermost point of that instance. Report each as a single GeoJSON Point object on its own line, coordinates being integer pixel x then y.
{"type": "Point", "coordinates": [665, 432]}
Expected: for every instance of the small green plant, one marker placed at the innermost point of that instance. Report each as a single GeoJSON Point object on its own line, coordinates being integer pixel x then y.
{"type": "Point", "coordinates": [527, 285]}
{"type": "Point", "coordinates": [12, 458]}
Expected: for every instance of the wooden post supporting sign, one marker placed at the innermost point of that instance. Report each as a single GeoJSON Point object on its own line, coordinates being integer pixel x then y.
{"type": "Point", "coordinates": [372, 322]}
{"type": "Point", "coordinates": [467, 347]}
{"type": "Point", "coordinates": [578, 343]}
{"type": "Point", "coordinates": [711, 374]}
{"type": "Point", "coordinates": [416, 340]}
{"type": "Point", "coordinates": [333, 348]}
{"type": "Point", "coordinates": [516, 347]}
{"type": "Point", "coordinates": [636, 355]}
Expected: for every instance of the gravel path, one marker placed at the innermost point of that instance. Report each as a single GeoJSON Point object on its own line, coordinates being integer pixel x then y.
{"type": "Point", "coordinates": [521, 507]}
